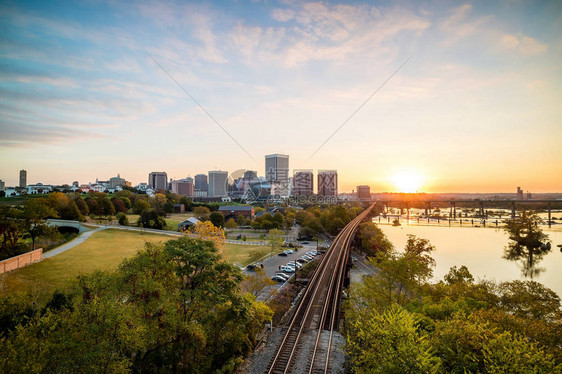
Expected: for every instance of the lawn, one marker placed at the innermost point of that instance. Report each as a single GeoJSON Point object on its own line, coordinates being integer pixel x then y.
{"type": "Point", "coordinates": [104, 250]}
{"type": "Point", "coordinates": [246, 254]}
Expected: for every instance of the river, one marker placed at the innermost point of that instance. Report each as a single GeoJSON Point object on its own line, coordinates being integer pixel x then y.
{"type": "Point", "coordinates": [481, 250]}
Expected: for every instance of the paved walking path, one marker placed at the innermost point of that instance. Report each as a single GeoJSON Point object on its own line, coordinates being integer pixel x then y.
{"type": "Point", "coordinates": [71, 244]}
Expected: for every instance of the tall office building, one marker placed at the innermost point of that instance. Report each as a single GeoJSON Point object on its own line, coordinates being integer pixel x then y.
{"type": "Point", "coordinates": [158, 180]}
{"type": "Point", "coordinates": [303, 183]}
{"type": "Point", "coordinates": [23, 178]}
{"type": "Point", "coordinates": [217, 183]}
{"type": "Point", "coordinates": [364, 193]}
{"type": "Point", "coordinates": [2, 185]}
{"type": "Point", "coordinates": [277, 172]}
{"type": "Point", "coordinates": [201, 183]}
{"type": "Point", "coordinates": [328, 182]}
{"type": "Point", "coordinates": [183, 187]}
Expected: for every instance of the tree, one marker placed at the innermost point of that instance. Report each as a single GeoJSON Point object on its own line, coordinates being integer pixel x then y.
{"type": "Point", "coordinates": [389, 342]}
{"type": "Point", "coordinates": [82, 206]}
{"type": "Point", "coordinates": [468, 344]}
{"type": "Point", "coordinates": [201, 212]}
{"type": "Point", "coordinates": [141, 206]}
{"type": "Point", "coordinates": [151, 220]}
{"type": "Point", "coordinates": [373, 239]}
{"type": "Point", "coordinates": [275, 238]}
{"type": "Point", "coordinates": [187, 203]}
{"type": "Point", "coordinates": [119, 205]}
{"type": "Point", "coordinates": [11, 227]}
{"type": "Point", "coordinates": [460, 275]}
{"type": "Point", "coordinates": [231, 224]}
{"type": "Point", "coordinates": [401, 275]}
{"type": "Point", "coordinates": [157, 202]}
{"type": "Point", "coordinates": [217, 219]}
{"type": "Point", "coordinates": [528, 242]}
{"type": "Point", "coordinates": [122, 219]}
{"type": "Point", "coordinates": [93, 206]}
{"type": "Point", "coordinates": [71, 212]}
{"type": "Point", "coordinates": [255, 283]}
{"type": "Point", "coordinates": [107, 207]}
{"type": "Point", "coordinates": [207, 231]}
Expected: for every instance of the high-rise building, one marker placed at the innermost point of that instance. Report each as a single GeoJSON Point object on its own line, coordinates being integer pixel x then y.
{"type": "Point", "coordinates": [23, 178]}
{"type": "Point", "coordinates": [217, 183]}
{"type": "Point", "coordinates": [277, 171]}
{"type": "Point", "coordinates": [158, 180]}
{"type": "Point", "coordinates": [303, 183]}
{"type": "Point", "coordinates": [364, 193]}
{"type": "Point", "coordinates": [328, 182]}
{"type": "Point", "coordinates": [2, 185]}
{"type": "Point", "coordinates": [183, 187]}
{"type": "Point", "coordinates": [519, 193]}
{"type": "Point", "coordinates": [201, 184]}
{"type": "Point", "coordinates": [250, 175]}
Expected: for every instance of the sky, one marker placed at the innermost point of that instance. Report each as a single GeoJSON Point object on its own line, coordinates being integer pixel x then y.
{"type": "Point", "coordinates": [465, 97]}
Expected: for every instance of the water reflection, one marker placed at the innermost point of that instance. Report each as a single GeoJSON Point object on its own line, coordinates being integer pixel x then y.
{"type": "Point", "coordinates": [528, 244]}
{"type": "Point", "coordinates": [482, 251]}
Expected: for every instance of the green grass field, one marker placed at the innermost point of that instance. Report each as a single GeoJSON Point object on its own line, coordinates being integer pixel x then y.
{"type": "Point", "coordinates": [104, 250]}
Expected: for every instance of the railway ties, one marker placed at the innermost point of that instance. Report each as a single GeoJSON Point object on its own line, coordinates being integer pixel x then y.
{"type": "Point", "coordinates": [310, 340]}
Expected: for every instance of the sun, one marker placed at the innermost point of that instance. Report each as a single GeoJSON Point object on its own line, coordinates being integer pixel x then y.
{"type": "Point", "coordinates": [407, 182]}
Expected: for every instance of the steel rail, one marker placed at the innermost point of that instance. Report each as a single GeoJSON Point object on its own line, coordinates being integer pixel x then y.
{"type": "Point", "coordinates": [335, 258]}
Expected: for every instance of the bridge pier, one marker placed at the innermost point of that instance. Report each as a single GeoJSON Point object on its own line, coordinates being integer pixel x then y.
{"type": "Point", "coordinates": [513, 210]}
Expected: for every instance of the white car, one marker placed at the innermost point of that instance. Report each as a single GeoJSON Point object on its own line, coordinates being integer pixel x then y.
{"type": "Point", "coordinates": [283, 275]}
{"type": "Point", "coordinates": [287, 269]}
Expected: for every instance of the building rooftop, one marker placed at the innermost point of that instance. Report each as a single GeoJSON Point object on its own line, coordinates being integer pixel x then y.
{"type": "Point", "coordinates": [235, 207]}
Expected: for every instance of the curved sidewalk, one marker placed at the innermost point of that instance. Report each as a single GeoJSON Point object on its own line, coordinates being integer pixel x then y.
{"type": "Point", "coordinates": [73, 243]}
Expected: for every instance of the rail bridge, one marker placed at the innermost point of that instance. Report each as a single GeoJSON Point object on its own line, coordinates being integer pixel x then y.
{"type": "Point", "coordinates": [383, 205]}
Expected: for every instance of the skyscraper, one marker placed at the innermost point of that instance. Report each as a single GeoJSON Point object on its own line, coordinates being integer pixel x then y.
{"type": "Point", "coordinates": [364, 193]}
{"type": "Point", "coordinates": [23, 178]}
{"type": "Point", "coordinates": [217, 183]}
{"type": "Point", "coordinates": [328, 182]}
{"type": "Point", "coordinates": [201, 184]}
{"type": "Point", "coordinates": [277, 171]}
{"type": "Point", "coordinates": [183, 187]}
{"type": "Point", "coordinates": [303, 183]}
{"type": "Point", "coordinates": [158, 180]}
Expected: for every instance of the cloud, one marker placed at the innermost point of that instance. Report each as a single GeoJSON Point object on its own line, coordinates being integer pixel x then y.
{"type": "Point", "coordinates": [282, 15]}
{"type": "Point", "coordinates": [22, 134]}
{"type": "Point", "coordinates": [322, 32]}
{"type": "Point", "coordinates": [525, 45]}
{"type": "Point", "coordinates": [457, 26]}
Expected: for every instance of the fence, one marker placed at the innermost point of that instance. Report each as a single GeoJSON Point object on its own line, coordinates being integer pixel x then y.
{"type": "Point", "coordinates": [20, 261]}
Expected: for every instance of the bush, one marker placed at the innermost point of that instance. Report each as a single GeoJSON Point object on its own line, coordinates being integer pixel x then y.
{"type": "Point", "coordinates": [122, 218]}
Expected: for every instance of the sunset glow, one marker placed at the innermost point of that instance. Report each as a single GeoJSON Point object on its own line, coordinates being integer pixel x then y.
{"type": "Point", "coordinates": [407, 182]}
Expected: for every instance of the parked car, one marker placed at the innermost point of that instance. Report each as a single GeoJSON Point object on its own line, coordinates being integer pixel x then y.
{"type": "Point", "coordinates": [288, 251]}
{"type": "Point", "coordinates": [282, 254]}
{"type": "Point", "coordinates": [294, 264]}
{"type": "Point", "coordinates": [278, 279]}
{"type": "Point", "coordinates": [307, 257]}
{"type": "Point", "coordinates": [283, 275]}
{"type": "Point", "coordinates": [287, 269]}
{"type": "Point", "coordinates": [302, 261]}
{"type": "Point", "coordinates": [253, 267]}
{"type": "Point", "coordinates": [305, 242]}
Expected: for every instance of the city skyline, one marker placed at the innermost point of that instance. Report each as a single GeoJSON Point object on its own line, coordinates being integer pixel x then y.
{"type": "Point", "coordinates": [475, 109]}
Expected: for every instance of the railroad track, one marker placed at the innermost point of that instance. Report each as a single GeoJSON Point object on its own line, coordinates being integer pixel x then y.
{"type": "Point", "coordinates": [318, 310]}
